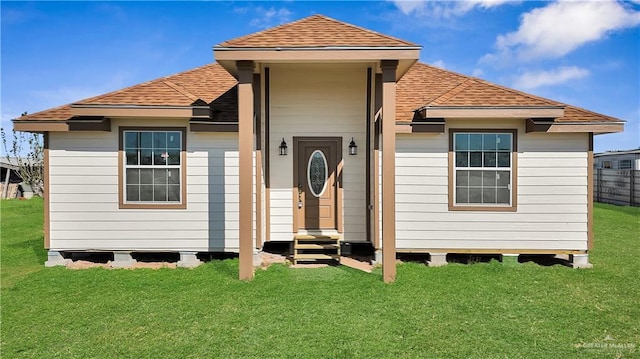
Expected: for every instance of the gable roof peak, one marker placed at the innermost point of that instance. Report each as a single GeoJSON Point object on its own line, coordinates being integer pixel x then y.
{"type": "Point", "coordinates": [315, 31]}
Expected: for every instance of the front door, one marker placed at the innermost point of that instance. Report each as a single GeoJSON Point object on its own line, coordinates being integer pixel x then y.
{"type": "Point", "coordinates": [316, 179]}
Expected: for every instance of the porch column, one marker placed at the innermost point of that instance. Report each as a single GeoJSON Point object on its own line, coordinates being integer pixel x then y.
{"type": "Point", "coordinates": [245, 151]}
{"type": "Point", "coordinates": [389, 169]}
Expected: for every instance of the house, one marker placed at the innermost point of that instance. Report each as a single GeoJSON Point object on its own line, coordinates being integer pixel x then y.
{"type": "Point", "coordinates": [12, 185]}
{"type": "Point", "coordinates": [619, 160]}
{"type": "Point", "coordinates": [319, 131]}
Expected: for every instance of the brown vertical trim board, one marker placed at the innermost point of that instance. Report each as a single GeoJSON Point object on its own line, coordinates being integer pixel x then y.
{"type": "Point", "coordinates": [183, 170]}
{"type": "Point", "coordinates": [267, 154]}
{"type": "Point", "coordinates": [47, 191]}
{"type": "Point", "coordinates": [590, 192]}
{"type": "Point", "coordinates": [377, 105]}
{"type": "Point", "coordinates": [514, 173]}
{"type": "Point", "coordinates": [389, 170]}
{"type": "Point", "coordinates": [245, 149]}
{"type": "Point", "coordinates": [368, 158]}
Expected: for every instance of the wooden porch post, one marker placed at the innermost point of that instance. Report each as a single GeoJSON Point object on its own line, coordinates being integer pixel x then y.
{"type": "Point", "coordinates": [245, 151]}
{"type": "Point", "coordinates": [389, 169]}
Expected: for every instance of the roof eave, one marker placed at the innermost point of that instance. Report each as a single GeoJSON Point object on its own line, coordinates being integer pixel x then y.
{"type": "Point", "coordinates": [491, 111]}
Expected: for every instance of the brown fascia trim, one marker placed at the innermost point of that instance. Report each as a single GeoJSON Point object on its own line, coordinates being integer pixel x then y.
{"type": "Point", "coordinates": [89, 123]}
{"type": "Point", "coordinates": [421, 125]}
{"type": "Point", "coordinates": [549, 125]}
{"type": "Point", "coordinates": [491, 111]}
{"type": "Point", "coordinates": [196, 125]}
{"type": "Point", "coordinates": [76, 123]}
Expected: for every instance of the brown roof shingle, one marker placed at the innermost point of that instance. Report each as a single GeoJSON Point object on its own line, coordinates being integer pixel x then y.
{"type": "Point", "coordinates": [423, 85]}
{"type": "Point", "coordinates": [316, 31]}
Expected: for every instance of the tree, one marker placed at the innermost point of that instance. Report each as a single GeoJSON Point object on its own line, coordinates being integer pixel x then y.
{"type": "Point", "coordinates": [27, 152]}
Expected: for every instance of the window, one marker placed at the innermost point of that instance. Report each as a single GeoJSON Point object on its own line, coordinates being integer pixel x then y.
{"type": "Point", "coordinates": [624, 165]}
{"type": "Point", "coordinates": [152, 168]}
{"type": "Point", "coordinates": [482, 170]}
{"type": "Point", "coordinates": [606, 164]}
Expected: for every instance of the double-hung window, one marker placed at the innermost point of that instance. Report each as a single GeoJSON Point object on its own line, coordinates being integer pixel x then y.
{"type": "Point", "coordinates": [483, 170]}
{"type": "Point", "coordinates": [152, 167]}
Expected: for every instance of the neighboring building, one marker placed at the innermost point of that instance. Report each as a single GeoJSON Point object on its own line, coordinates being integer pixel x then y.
{"type": "Point", "coordinates": [319, 131]}
{"type": "Point", "coordinates": [12, 185]}
{"type": "Point", "coordinates": [618, 160]}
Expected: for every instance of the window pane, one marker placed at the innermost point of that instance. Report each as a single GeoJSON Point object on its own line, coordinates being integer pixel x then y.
{"type": "Point", "coordinates": [173, 177]}
{"type": "Point", "coordinates": [160, 193]}
{"type": "Point", "coordinates": [174, 157]}
{"type": "Point", "coordinates": [475, 178]}
{"type": "Point", "coordinates": [462, 142]}
{"type": "Point", "coordinates": [173, 140]}
{"type": "Point", "coordinates": [462, 178]}
{"type": "Point", "coordinates": [146, 176]}
{"type": "Point", "coordinates": [504, 159]}
{"type": "Point", "coordinates": [132, 156]}
{"type": "Point", "coordinates": [504, 142]}
{"type": "Point", "coordinates": [159, 176]}
{"type": "Point", "coordinates": [145, 157]}
{"type": "Point", "coordinates": [489, 142]}
{"type": "Point", "coordinates": [503, 178]}
{"type": "Point", "coordinates": [146, 193]}
{"type": "Point", "coordinates": [159, 157]}
{"type": "Point", "coordinates": [475, 195]}
{"type": "Point", "coordinates": [133, 176]}
{"type": "Point", "coordinates": [174, 193]}
{"type": "Point", "coordinates": [462, 195]}
{"type": "Point", "coordinates": [489, 195]}
{"type": "Point", "coordinates": [503, 196]}
{"type": "Point", "coordinates": [489, 159]}
{"type": "Point", "coordinates": [133, 192]}
{"type": "Point", "coordinates": [475, 159]}
{"type": "Point", "coordinates": [488, 178]}
{"type": "Point", "coordinates": [131, 139]}
{"type": "Point", "coordinates": [462, 159]}
{"type": "Point", "coordinates": [475, 142]}
{"type": "Point", "coordinates": [160, 140]}
{"type": "Point", "coordinates": [145, 139]}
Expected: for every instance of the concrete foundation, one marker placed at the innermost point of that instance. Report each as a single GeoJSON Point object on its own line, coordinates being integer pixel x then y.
{"type": "Point", "coordinates": [188, 260]}
{"type": "Point", "coordinates": [122, 260]}
{"type": "Point", "coordinates": [377, 259]}
{"type": "Point", "coordinates": [257, 258]}
{"type": "Point", "coordinates": [437, 259]}
{"type": "Point", "coordinates": [55, 258]}
{"type": "Point", "coordinates": [510, 259]}
{"type": "Point", "coordinates": [580, 261]}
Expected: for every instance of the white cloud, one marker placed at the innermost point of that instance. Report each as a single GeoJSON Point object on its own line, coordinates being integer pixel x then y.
{"type": "Point", "coordinates": [477, 72]}
{"type": "Point", "coordinates": [561, 27]}
{"type": "Point", "coordinates": [444, 9]}
{"type": "Point", "coordinates": [268, 17]}
{"type": "Point", "coordinates": [439, 63]}
{"type": "Point", "coordinates": [534, 79]}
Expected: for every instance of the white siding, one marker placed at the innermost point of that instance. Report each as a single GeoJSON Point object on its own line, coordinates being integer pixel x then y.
{"type": "Point", "coordinates": [552, 195]}
{"type": "Point", "coordinates": [84, 195]}
{"type": "Point", "coordinates": [318, 100]}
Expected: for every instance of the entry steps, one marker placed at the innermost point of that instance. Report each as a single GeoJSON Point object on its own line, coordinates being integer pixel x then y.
{"type": "Point", "coordinates": [316, 247]}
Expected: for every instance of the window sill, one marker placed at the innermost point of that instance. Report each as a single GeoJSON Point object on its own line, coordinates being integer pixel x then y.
{"type": "Point", "coordinates": [152, 206]}
{"type": "Point", "coordinates": [484, 208]}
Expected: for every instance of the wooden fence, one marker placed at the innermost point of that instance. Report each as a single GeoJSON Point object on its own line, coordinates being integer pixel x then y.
{"type": "Point", "coordinates": [617, 186]}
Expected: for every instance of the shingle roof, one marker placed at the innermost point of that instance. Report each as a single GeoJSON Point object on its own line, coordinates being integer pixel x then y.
{"type": "Point", "coordinates": [423, 85]}
{"type": "Point", "coordinates": [207, 83]}
{"type": "Point", "coordinates": [316, 31]}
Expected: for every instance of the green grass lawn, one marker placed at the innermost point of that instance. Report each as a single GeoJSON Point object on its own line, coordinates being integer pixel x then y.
{"type": "Point", "coordinates": [484, 310]}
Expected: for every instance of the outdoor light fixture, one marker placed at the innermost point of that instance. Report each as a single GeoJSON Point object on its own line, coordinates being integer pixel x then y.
{"type": "Point", "coordinates": [283, 148]}
{"type": "Point", "coordinates": [353, 148]}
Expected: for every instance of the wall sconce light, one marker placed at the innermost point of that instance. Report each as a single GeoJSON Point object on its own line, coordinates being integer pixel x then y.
{"type": "Point", "coordinates": [283, 148]}
{"type": "Point", "coordinates": [353, 148]}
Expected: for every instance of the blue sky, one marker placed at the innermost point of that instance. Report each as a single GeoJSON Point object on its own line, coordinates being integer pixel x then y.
{"type": "Point", "coordinates": [585, 53]}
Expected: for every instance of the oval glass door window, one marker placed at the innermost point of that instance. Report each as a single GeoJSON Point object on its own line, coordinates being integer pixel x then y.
{"type": "Point", "coordinates": [317, 173]}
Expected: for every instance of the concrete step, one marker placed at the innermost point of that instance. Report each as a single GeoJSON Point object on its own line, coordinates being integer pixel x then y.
{"type": "Point", "coordinates": [316, 246]}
